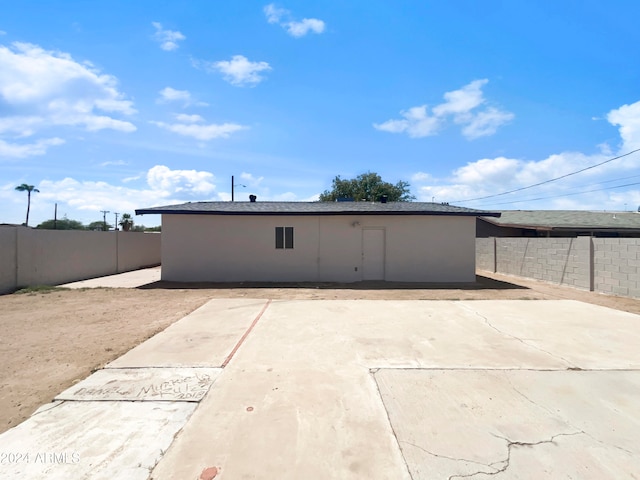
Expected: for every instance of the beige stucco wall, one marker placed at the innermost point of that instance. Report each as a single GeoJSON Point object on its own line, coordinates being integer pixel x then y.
{"type": "Point", "coordinates": [137, 250]}
{"type": "Point", "coordinates": [327, 248]}
{"type": "Point", "coordinates": [50, 257]}
{"type": "Point", "coordinates": [8, 258]}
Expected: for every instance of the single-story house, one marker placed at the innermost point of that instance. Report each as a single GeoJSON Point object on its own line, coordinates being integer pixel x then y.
{"type": "Point", "coordinates": [559, 223]}
{"type": "Point", "coordinates": [317, 241]}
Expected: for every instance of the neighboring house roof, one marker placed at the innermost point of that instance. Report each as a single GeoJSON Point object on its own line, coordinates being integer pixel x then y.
{"type": "Point", "coordinates": [562, 220]}
{"type": "Point", "coordinates": [315, 208]}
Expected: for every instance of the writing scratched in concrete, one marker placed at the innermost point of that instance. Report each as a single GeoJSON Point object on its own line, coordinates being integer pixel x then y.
{"type": "Point", "coordinates": [193, 387]}
{"type": "Point", "coordinates": [151, 384]}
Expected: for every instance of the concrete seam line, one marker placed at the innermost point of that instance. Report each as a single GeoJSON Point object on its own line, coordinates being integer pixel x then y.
{"type": "Point", "coordinates": [372, 374]}
{"type": "Point", "coordinates": [246, 334]}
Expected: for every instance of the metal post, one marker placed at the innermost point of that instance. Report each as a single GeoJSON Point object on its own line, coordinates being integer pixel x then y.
{"type": "Point", "coordinates": [104, 219]}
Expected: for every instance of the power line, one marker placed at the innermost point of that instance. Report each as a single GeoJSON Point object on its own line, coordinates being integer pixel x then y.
{"type": "Point", "coordinates": [547, 181]}
{"type": "Point", "coordinates": [532, 199]}
{"type": "Point", "coordinates": [568, 194]}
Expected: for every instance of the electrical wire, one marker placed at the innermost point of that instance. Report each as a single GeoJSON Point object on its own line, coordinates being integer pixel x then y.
{"type": "Point", "coordinates": [532, 199]}
{"type": "Point", "coordinates": [567, 194]}
{"type": "Point", "coordinates": [547, 181]}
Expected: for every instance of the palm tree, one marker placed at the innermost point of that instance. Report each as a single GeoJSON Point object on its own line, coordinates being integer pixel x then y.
{"type": "Point", "coordinates": [27, 188]}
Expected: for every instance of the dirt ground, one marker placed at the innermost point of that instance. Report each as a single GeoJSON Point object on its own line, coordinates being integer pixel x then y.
{"type": "Point", "coordinates": [49, 341]}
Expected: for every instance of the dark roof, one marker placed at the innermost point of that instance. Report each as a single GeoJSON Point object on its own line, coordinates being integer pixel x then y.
{"type": "Point", "coordinates": [314, 208]}
{"type": "Point", "coordinates": [567, 220]}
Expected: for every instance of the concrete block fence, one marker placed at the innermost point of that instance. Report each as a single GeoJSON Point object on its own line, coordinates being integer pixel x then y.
{"type": "Point", "coordinates": [606, 265]}
{"type": "Point", "coordinates": [51, 257]}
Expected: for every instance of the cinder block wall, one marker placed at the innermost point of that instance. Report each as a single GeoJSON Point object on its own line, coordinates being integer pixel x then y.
{"type": "Point", "coordinates": [50, 257]}
{"type": "Point", "coordinates": [486, 254]}
{"type": "Point", "coordinates": [616, 266]}
{"type": "Point", "coordinates": [607, 265]}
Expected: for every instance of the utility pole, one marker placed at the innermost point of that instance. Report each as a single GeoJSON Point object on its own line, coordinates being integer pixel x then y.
{"type": "Point", "coordinates": [233, 185]}
{"type": "Point", "coordinates": [116, 214]}
{"type": "Point", "coordinates": [104, 219]}
{"type": "Point", "coordinates": [55, 218]}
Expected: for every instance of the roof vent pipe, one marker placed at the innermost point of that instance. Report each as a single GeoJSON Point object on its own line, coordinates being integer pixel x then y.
{"type": "Point", "coordinates": [384, 198]}
{"type": "Point", "coordinates": [252, 198]}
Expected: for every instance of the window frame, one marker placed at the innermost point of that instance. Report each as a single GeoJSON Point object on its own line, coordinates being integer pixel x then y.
{"type": "Point", "coordinates": [284, 238]}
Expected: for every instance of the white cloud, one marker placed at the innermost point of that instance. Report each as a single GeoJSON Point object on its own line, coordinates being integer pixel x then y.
{"type": "Point", "coordinates": [627, 117]}
{"type": "Point", "coordinates": [47, 89]}
{"type": "Point", "coordinates": [171, 182]}
{"type": "Point", "coordinates": [293, 27]}
{"type": "Point", "coordinates": [201, 131]}
{"type": "Point", "coordinates": [239, 71]}
{"type": "Point", "coordinates": [274, 14]}
{"type": "Point", "coordinates": [168, 39]}
{"type": "Point", "coordinates": [184, 118]}
{"type": "Point", "coordinates": [250, 180]}
{"type": "Point", "coordinates": [169, 94]}
{"type": "Point", "coordinates": [421, 177]}
{"type": "Point", "coordinates": [306, 25]}
{"type": "Point", "coordinates": [416, 123]}
{"type": "Point", "coordinates": [461, 102]}
{"type": "Point", "coordinates": [588, 190]}
{"type": "Point", "coordinates": [86, 198]}
{"type": "Point", "coordinates": [486, 123]}
{"type": "Point", "coordinates": [463, 107]}
{"type": "Point", "coordinates": [2, 32]}
{"type": "Point", "coordinates": [20, 150]}
{"type": "Point", "coordinates": [114, 163]}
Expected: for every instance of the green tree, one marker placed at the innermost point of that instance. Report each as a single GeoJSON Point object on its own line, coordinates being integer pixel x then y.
{"type": "Point", "coordinates": [367, 187]}
{"type": "Point", "coordinates": [62, 224]}
{"type": "Point", "coordinates": [29, 189]}
{"type": "Point", "coordinates": [98, 225]}
{"type": "Point", "coordinates": [127, 222]}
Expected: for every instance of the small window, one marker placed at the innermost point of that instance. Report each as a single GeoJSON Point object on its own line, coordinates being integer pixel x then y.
{"type": "Point", "coordinates": [284, 237]}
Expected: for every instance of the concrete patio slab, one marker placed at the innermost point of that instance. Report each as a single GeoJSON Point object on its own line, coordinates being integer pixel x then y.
{"type": "Point", "coordinates": [144, 384]}
{"type": "Point", "coordinates": [365, 389]}
{"type": "Point", "coordinates": [204, 338]}
{"type": "Point", "coordinates": [302, 380]}
{"type": "Point", "coordinates": [92, 440]}
{"type": "Point", "coordinates": [291, 424]}
{"type": "Point", "coordinates": [385, 333]}
{"type": "Point", "coordinates": [515, 424]}
{"type": "Point", "coordinates": [133, 279]}
{"type": "Point", "coordinates": [582, 335]}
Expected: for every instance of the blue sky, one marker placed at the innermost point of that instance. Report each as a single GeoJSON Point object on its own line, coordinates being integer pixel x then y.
{"type": "Point", "coordinates": [122, 105]}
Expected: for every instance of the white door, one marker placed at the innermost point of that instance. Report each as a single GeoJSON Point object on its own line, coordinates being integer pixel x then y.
{"type": "Point", "coordinates": [373, 254]}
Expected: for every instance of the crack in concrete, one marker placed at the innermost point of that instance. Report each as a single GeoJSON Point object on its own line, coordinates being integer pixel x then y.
{"type": "Point", "coordinates": [386, 412]}
{"type": "Point", "coordinates": [610, 444]}
{"type": "Point", "coordinates": [524, 342]}
{"type": "Point", "coordinates": [510, 446]}
{"type": "Point", "coordinates": [555, 414]}
{"type": "Point", "coordinates": [437, 455]}
{"type": "Point", "coordinates": [48, 407]}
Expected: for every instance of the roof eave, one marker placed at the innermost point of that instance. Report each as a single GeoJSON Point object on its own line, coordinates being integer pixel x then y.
{"type": "Point", "coordinates": [145, 211]}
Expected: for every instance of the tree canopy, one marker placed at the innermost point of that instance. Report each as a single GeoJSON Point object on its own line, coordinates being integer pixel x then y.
{"type": "Point", "coordinates": [367, 187]}
{"type": "Point", "coordinates": [61, 224]}
{"type": "Point", "coordinates": [99, 225]}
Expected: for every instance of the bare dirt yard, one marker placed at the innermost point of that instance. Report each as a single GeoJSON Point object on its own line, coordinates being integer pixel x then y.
{"type": "Point", "coordinates": [49, 341]}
